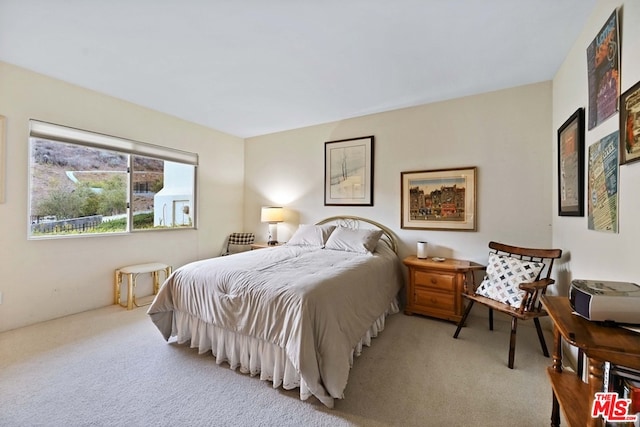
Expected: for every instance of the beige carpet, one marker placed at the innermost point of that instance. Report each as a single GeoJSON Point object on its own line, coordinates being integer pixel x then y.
{"type": "Point", "coordinates": [111, 367]}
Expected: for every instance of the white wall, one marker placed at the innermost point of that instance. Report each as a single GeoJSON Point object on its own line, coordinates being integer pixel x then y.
{"type": "Point", "coordinates": [505, 134]}
{"type": "Point", "coordinates": [45, 279]}
{"type": "Point", "coordinates": [592, 254]}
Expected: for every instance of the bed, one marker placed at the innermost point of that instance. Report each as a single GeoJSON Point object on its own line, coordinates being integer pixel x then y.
{"type": "Point", "coordinates": [295, 314]}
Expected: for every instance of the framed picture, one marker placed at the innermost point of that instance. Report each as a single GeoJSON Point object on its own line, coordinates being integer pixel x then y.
{"type": "Point", "coordinates": [348, 172]}
{"type": "Point", "coordinates": [571, 165]}
{"type": "Point", "coordinates": [3, 164]}
{"type": "Point", "coordinates": [442, 199]}
{"type": "Point", "coordinates": [630, 125]}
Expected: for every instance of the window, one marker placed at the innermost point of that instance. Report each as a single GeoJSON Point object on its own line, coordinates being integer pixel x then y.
{"type": "Point", "coordinates": [85, 183]}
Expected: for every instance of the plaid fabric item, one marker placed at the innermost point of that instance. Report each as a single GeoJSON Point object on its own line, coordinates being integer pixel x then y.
{"type": "Point", "coordinates": [504, 275]}
{"type": "Point", "coordinates": [241, 238]}
{"type": "Point", "coordinates": [239, 242]}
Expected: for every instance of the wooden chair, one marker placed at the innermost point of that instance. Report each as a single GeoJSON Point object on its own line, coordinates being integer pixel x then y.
{"type": "Point", "coordinates": [530, 306]}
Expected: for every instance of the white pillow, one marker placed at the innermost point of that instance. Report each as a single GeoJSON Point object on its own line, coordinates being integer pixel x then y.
{"type": "Point", "coordinates": [311, 235]}
{"type": "Point", "coordinates": [346, 239]}
{"type": "Point", "coordinates": [504, 275]}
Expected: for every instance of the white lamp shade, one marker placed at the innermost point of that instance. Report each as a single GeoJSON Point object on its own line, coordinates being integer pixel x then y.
{"type": "Point", "coordinates": [272, 214]}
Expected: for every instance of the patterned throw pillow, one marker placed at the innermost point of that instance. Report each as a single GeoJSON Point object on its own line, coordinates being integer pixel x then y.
{"type": "Point", "coordinates": [504, 275]}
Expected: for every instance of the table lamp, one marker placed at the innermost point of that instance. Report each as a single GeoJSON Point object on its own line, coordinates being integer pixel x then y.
{"type": "Point", "coordinates": [273, 215]}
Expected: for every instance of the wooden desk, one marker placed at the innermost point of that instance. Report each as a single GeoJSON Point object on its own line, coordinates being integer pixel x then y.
{"type": "Point", "coordinates": [600, 344]}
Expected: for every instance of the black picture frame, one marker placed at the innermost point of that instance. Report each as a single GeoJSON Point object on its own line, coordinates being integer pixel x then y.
{"type": "Point", "coordinates": [348, 172]}
{"type": "Point", "coordinates": [571, 165]}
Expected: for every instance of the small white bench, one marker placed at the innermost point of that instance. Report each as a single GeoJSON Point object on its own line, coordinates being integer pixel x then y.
{"type": "Point", "coordinates": [132, 271]}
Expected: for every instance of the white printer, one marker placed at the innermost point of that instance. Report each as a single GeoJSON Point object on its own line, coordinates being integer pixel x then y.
{"type": "Point", "coordinates": [605, 301]}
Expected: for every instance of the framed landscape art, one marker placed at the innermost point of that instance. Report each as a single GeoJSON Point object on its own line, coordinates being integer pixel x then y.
{"type": "Point", "coordinates": [348, 172]}
{"type": "Point", "coordinates": [442, 199]}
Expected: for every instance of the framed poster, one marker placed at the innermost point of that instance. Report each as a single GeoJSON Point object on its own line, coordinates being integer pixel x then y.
{"type": "Point", "coordinates": [442, 199]}
{"type": "Point", "coordinates": [630, 125]}
{"type": "Point", "coordinates": [603, 71]}
{"type": "Point", "coordinates": [348, 172]}
{"type": "Point", "coordinates": [603, 184]}
{"type": "Point", "coordinates": [571, 165]}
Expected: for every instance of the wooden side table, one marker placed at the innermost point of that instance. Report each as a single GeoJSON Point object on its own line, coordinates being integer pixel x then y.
{"type": "Point", "coordinates": [435, 287]}
{"type": "Point", "coordinates": [600, 344]}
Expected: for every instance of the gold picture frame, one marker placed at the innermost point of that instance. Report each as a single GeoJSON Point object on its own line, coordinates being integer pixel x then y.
{"type": "Point", "coordinates": [441, 199]}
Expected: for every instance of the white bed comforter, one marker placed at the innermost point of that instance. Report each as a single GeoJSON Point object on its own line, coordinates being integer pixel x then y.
{"type": "Point", "coordinates": [316, 304]}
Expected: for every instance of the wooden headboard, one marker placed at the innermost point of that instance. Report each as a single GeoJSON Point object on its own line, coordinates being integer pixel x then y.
{"type": "Point", "coordinates": [354, 222]}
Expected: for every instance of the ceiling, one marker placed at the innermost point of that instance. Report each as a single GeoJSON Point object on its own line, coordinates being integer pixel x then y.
{"type": "Point", "coordinates": [253, 67]}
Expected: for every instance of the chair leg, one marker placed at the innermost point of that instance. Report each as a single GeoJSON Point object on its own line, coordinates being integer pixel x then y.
{"type": "Point", "coordinates": [543, 344]}
{"type": "Point", "coordinates": [555, 411]}
{"type": "Point", "coordinates": [512, 341]}
{"type": "Point", "coordinates": [464, 319]}
{"type": "Point", "coordinates": [491, 319]}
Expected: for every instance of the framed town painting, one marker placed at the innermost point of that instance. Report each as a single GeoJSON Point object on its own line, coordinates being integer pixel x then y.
{"type": "Point", "coordinates": [630, 125]}
{"type": "Point", "coordinates": [571, 165]}
{"type": "Point", "coordinates": [442, 199]}
{"type": "Point", "coordinates": [348, 172]}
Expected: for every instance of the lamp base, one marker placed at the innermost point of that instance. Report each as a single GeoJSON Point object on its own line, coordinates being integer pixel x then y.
{"type": "Point", "coordinates": [273, 234]}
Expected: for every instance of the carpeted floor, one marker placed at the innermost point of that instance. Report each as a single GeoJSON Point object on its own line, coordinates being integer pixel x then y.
{"type": "Point", "coordinates": [111, 367]}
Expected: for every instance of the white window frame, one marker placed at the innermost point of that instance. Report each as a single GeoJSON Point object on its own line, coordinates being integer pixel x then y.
{"type": "Point", "coordinates": [69, 135]}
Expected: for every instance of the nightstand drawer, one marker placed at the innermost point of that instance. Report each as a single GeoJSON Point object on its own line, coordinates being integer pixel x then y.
{"type": "Point", "coordinates": [445, 282]}
{"type": "Point", "coordinates": [430, 299]}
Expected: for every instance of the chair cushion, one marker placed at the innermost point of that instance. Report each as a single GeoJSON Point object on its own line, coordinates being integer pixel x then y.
{"type": "Point", "coordinates": [504, 275]}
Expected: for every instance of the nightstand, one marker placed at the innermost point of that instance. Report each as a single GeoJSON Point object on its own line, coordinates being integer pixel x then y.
{"type": "Point", "coordinates": [435, 287]}
{"type": "Point", "coordinates": [263, 245]}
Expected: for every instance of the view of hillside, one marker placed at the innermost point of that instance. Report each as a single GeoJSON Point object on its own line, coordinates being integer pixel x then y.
{"type": "Point", "coordinates": [69, 180]}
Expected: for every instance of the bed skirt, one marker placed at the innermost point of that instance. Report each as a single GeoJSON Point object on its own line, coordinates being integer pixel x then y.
{"type": "Point", "coordinates": [258, 357]}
